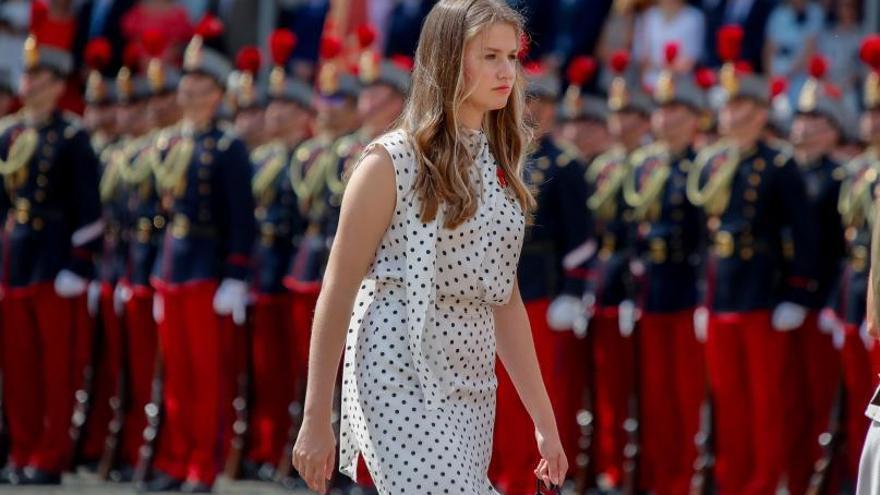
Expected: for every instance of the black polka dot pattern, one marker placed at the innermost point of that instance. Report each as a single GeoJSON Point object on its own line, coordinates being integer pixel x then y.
{"type": "Point", "coordinates": [418, 394]}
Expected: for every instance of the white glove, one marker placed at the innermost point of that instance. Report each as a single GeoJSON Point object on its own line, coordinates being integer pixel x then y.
{"type": "Point", "coordinates": [158, 308]}
{"type": "Point", "coordinates": [231, 298]}
{"type": "Point", "coordinates": [828, 322]}
{"type": "Point", "coordinates": [582, 322]}
{"type": "Point", "coordinates": [701, 324]}
{"type": "Point", "coordinates": [121, 296]}
{"type": "Point", "coordinates": [627, 315]}
{"type": "Point", "coordinates": [69, 284]}
{"type": "Point", "coordinates": [788, 316]}
{"type": "Point", "coordinates": [563, 312]}
{"type": "Point", "coordinates": [93, 298]}
{"type": "Point", "coordinates": [866, 337]}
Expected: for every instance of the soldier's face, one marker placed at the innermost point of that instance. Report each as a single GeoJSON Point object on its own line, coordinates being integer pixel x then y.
{"type": "Point", "coordinates": [336, 113]}
{"type": "Point", "coordinates": [813, 133]}
{"type": "Point", "coordinates": [198, 92]}
{"type": "Point", "coordinates": [131, 118]}
{"type": "Point", "coordinates": [674, 122]}
{"type": "Point", "coordinates": [375, 98]}
{"type": "Point", "coordinates": [283, 117]}
{"type": "Point", "coordinates": [741, 114]}
{"type": "Point", "coordinates": [869, 126]}
{"type": "Point", "coordinates": [489, 65]}
{"type": "Point", "coordinates": [100, 117]}
{"type": "Point", "coordinates": [40, 87]}
{"type": "Point", "coordinates": [249, 124]}
{"type": "Point", "coordinates": [625, 125]}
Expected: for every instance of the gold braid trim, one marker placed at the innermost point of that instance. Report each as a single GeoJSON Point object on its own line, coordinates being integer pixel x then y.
{"type": "Point", "coordinates": [645, 200]}
{"type": "Point", "coordinates": [715, 195]}
{"type": "Point", "coordinates": [271, 158]}
{"type": "Point", "coordinates": [602, 201]}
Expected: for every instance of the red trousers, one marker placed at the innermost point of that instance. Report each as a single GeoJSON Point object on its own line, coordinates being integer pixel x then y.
{"type": "Point", "coordinates": [614, 372]}
{"type": "Point", "coordinates": [107, 364]}
{"type": "Point", "coordinates": [192, 342]}
{"type": "Point", "coordinates": [673, 386]}
{"type": "Point", "coordinates": [750, 370]}
{"type": "Point", "coordinates": [818, 368]}
{"type": "Point", "coordinates": [562, 358]}
{"type": "Point", "coordinates": [40, 366]}
{"type": "Point", "coordinates": [141, 351]}
{"type": "Point", "coordinates": [856, 368]}
{"type": "Point", "coordinates": [269, 419]}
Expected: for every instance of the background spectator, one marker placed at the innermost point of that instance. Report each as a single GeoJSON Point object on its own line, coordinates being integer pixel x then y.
{"type": "Point", "coordinates": [751, 15]}
{"type": "Point", "coordinates": [101, 18]}
{"type": "Point", "coordinates": [792, 33]}
{"type": "Point", "coordinates": [670, 21]}
{"type": "Point", "coordinates": [167, 16]}
{"type": "Point", "coordinates": [617, 34]}
{"type": "Point", "coordinates": [839, 43]}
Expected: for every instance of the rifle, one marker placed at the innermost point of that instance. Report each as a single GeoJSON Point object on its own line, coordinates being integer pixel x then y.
{"type": "Point", "coordinates": [632, 450]}
{"type": "Point", "coordinates": [83, 395]}
{"type": "Point", "coordinates": [154, 412]}
{"type": "Point", "coordinates": [586, 424]}
{"type": "Point", "coordinates": [703, 482]}
{"type": "Point", "coordinates": [119, 404]}
{"type": "Point", "coordinates": [830, 442]}
{"type": "Point", "coordinates": [240, 406]}
{"type": "Point", "coordinates": [285, 465]}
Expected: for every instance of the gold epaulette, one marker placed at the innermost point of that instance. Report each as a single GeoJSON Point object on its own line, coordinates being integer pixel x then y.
{"type": "Point", "coordinates": [644, 198]}
{"type": "Point", "coordinates": [569, 153]}
{"type": "Point", "coordinates": [602, 200]}
{"type": "Point", "coordinates": [714, 196]}
{"type": "Point", "coordinates": [271, 158]}
{"type": "Point", "coordinates": [8, 121]}
{"type": "Point", "coordinates": [783, 152]}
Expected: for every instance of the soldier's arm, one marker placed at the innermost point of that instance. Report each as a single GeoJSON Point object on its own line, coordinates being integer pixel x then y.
{"type": "Point", "coordinates": [240, 229]}
{"type": "Point", "coordinates": [85, 205]}
{"type": "Point", "coordinates": [789, 187]}
{"type": "Point", "coordinates": [574, 224]}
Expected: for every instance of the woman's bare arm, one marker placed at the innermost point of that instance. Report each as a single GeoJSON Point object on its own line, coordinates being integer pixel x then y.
{"type": "Point", "coordinates": [367, 208]}
{"type": "Point", "coordinates": [516, 348]}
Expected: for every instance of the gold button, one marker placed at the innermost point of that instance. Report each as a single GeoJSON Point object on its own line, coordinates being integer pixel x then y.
{"type": "Point", "coordinates": [42, 180]}
{"type": "Point", "coordinates": [751, 195]}
{"type": "Point", "coordinates": [51, 136]}
{"type": "Point", "coordinates": [40, 195]}
{"type": "Point", "coordinates": [208, 143]}
{"type": "Point", "coordinates": [851, 233]}
{"type": "Point", "coordinates": [714, 223]}
{"type": "Point", "coordinates": [658, 250]}
{"type": "Point", "coordinates": [38, 224]}
{"type": "Point", "coordinates": [746, 253]}
{"type": "Point", "coordinates": [754, 180]}
{"type": "Point", "coordinates": [207, 158]}
{"type": "Point", "coordinates": [723, 244]}
{"type": "Point", "coordinates": [180, 227]}
{"type": "Point", "coordinates": [159, 222]}
{"type": "Point", "coordinates": [760, 164]}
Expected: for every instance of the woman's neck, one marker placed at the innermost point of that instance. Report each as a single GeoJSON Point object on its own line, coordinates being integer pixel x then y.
{"type": "Point", "coordinates": [470, 117]}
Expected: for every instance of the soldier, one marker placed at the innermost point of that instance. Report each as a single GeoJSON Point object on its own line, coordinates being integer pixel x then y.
{"type": "Point", "coordinates": [52, 230]}
{"type": "Point", "coordinates": [336, 117]}
{"type": "Point", "coordinates": [100, 112]}
{"type": "Point", "coordinates": [551, 290]}
{"type": "Point", "coordinates": [200, 272]}
{"type": "Point", "coordinates": [247, 98]}
{"type": "Point", "coordinates": [584, 125]}
{"type": "Point", "coordinates": [815, 132]}
{"type": "Point", "coordinates": [610, 290]}
{"type": "Point", "coordinates": [278, 222]}
{"type": "Point", "coordinates": [671, 366]}
{"type": "Point", "coordinates": [750, 192]}
{"type": "Point", "coordinates": [856, 207]}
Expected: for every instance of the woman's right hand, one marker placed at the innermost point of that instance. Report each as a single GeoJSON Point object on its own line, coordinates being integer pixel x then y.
{"type": "Point", "coordinates": [314, 453]}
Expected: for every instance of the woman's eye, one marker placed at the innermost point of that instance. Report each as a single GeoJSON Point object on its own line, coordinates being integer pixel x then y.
{"type": "Point", "coordinates": [490, 56]}
{"type": "Point", "coordinates": [511, 57]}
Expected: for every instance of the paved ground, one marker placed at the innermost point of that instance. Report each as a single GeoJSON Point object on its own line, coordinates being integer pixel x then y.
{"type": "Point", "coordinates": [85, 484]}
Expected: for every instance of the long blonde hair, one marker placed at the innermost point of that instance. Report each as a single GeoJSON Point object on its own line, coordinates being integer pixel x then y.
{"type": "Point", "coordinates": [430, 116]}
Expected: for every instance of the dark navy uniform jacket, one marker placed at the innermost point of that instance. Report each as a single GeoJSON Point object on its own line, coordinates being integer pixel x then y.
{"type": "Point", "coordinates": [114, 201]}
{"type": "Point", "coordinates": [210, 211]}
{"type": "Point", "coordinates": [670, 237]}
{"type": "Point", "coordinates": [561, 223]}
{"type": "Point", "coordinates": [145, 220]}
{"type": "Point", "coordinates": [50, 205]}
{"type": "Point", "coordinates": [753, 268]}
{"type": "Point", "coordinates": [610, 278]}
{"type": "Point", "coordinates": [277, 215]}
{"type": "Point", "coordinates": [822, 183]}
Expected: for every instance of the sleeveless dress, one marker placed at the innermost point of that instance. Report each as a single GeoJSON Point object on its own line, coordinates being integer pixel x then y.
{"type": "Point", "coordinates": [418, 379]}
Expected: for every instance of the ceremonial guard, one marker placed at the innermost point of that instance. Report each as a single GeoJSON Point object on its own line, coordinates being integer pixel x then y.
{"type": "Point", "coordinates": [203, 181]}
{"type": "Point", "coordinates": [336, 117]}
{"type": "Point", "coordinates": [757, 289]}
{"type": "Point", "coordinates": [610, 288]}
{"type": "Point", "coordinates": [550, 289]}
{"type": "Point", "coordinates": [672, 370]}
{"type": "Point", "coordinates": [815, 132]}
{"type": "Point", "coordinates": [99, 116]}
{"type": "Point", "coordinates": [583, 126]}
{"type": "Point", "coordinates": [247, 99]}
{"type": "Point", "coordinates": [858, 195]}
{"type": "Point", "coordinates": [52, 230]}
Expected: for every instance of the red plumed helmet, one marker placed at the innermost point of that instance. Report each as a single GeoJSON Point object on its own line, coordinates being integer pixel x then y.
{"type": "Point", "coordinates": [705, 78]}
{"type": "Point", "coordinates": [619, 61]}
{"type": "Point", "coordinates": [131, 56]}
{"type": "Point", "coordinates": [209, 27]}
{"type": "Point", "coordinates": [580, 70]}
{"type": "Point", "coordinates": [39, 14]}
{"type": "Point", "coordinates": [729, 40]}
{"type": "Point", "coordinates": [366, 35]}
{"type": "Point", "coordinates": [818, 66]}
{"type": "Point", "coordinates": [154, 42]}
{"type": "Point", "coordinates": [535, 67]}
{"type": "Point", "coordinates": [869, 52]}
{"type": "Point", "coordinates": [405, 62]}
{"type": "Point", "coordinates": [778, 86]}
{"type": "Point", "coordinates": [671, 52]}
{"type": "Point", "coordinates": [281, 45]}
{"type": "Point", "coordinates": [248, 59]}
{"type": "Point", "coordinates": [97, 53]}
{"type": "Point", "coordinates": [331, 47]}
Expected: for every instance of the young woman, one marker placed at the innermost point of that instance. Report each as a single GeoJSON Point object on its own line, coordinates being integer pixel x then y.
{"type": "Point", "coordinates": [426, 253]}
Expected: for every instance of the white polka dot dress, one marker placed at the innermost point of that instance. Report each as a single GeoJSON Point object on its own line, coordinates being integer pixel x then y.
{"type": "Point", "coordinates": [418, 382]}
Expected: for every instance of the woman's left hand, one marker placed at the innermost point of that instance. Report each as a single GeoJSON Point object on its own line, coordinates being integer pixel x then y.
{"type": "Point", "coordinates": [553, 464]}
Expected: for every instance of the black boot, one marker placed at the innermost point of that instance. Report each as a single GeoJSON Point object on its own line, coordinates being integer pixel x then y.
{"type": "Point", "coordinates": [195, 487]}
{"type": "Point", "coordinates": [33, 476]}
{"type": "Point", "coordinates": [10, 475]}
{"type": "Point", "coordinates": [161, 482]}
